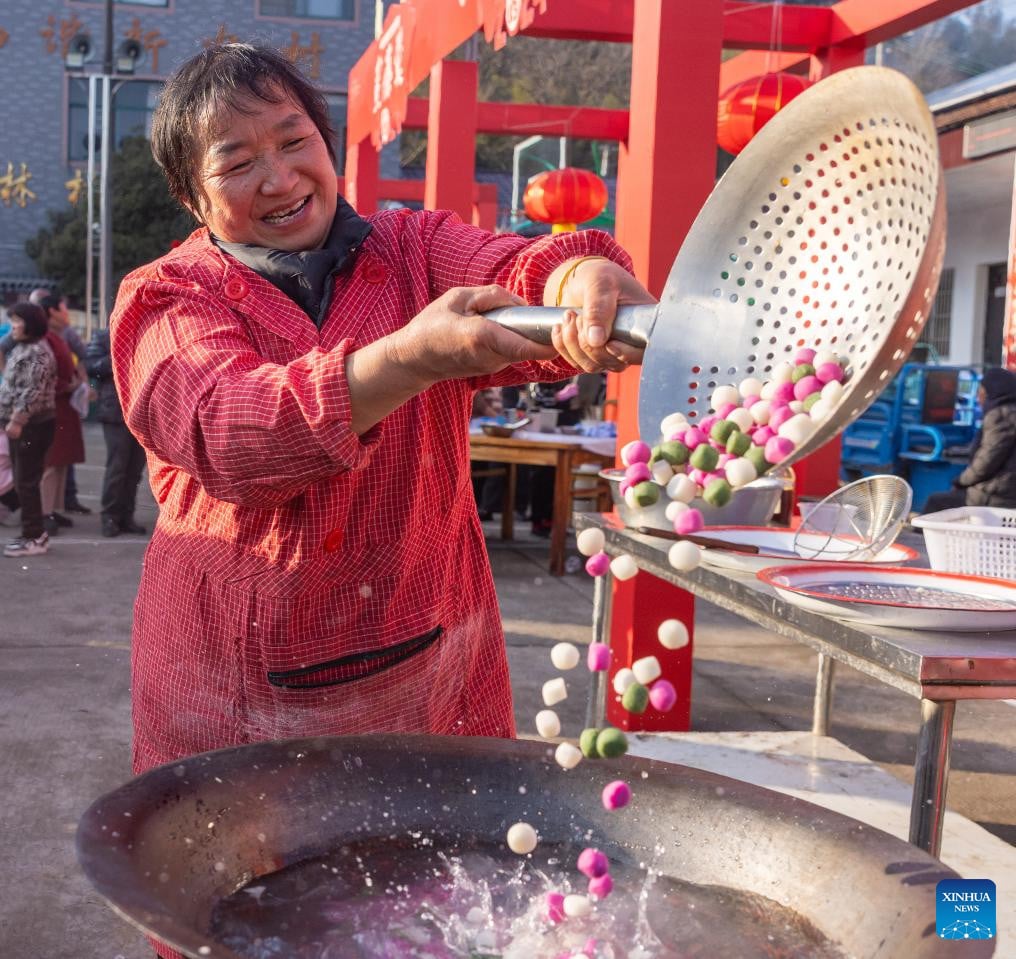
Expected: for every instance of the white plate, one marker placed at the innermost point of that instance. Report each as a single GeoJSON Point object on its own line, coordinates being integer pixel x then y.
{"type": "Point", "coordinates": [907, 598]}
{"type": "Point", "coordinates": [780, 539]}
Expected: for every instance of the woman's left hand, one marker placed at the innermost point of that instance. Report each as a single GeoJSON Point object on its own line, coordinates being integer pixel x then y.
{"type": "Point", "coordinates": [596, 287]}
{"type": "Point", "coordinates": [13, 430]}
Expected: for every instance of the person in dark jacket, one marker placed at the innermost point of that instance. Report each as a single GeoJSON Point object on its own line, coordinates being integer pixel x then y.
{"type": "Point", "coordinates": [125, 459]}
{"type": "Point", "coordinates": [990, 478]}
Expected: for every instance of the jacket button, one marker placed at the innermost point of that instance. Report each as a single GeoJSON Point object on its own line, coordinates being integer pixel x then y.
{"type": "Point", "coordinates": [375, 273]}
{"type": "Point", "coordinates": [235, 289]}
{"type": "Point", "coordinates": [333, 540]}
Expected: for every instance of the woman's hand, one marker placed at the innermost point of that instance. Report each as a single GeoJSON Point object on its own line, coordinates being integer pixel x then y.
{"type": "Point", "coordinates": [451, 339]}
{"type": "Point", "coordinates": [13, 430]}
{"type": "Point", "coordinates": [596, 287]}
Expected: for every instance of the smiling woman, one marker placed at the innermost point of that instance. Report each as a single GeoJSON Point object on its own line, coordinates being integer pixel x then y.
{"type": "Point", "coordinates": [301, 379]}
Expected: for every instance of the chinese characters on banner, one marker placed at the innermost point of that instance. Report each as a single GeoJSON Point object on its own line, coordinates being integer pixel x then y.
{"type": "Point", "coordinates": [506, 18]}
{"type": "Point", "coordinates": [390, 87]}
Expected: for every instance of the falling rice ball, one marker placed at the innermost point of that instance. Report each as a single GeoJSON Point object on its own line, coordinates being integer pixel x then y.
{"type": "Point", "coordinates": [740, 473]}
{"type": "Point", "coordinates": [548, 724]}
{"type": "Point", "coordinates": [717, 492]}
{"type": "Point", "coordinates": [662, 472]}
{"type": "Point", "coordinates": [587, 742]}
{"type": "Point", "coordinates": [590, 541]}
{"type": "Point", "coordinates": [616, 795]}
{"type": "Point", "coordinates": [689, 521]}
{"type": "Point", "coordinates": [722, 395]}
{"type": "Point", "coordinates": [598, 657]}
{"type": "Point", "coordinates": [567, 756]}
{"type": "Point", "coordinates": [623, 678]}
{"type": "Point", "coordinates": [682, 488]}
{"type": "Point", "coordinates": [635, 452]}
{"type": "Point", "coordinates": [554, 691]}
{"type": "Point", "coordinates": [623, 567]}
{"type": "Point", "coordinates": [635, 699]}
{"type": "Point", "coordinates": [593, 863]}
{"type": "Point", "coordinates": [672, 634]}
{"type": "Point", "coordinates": [565, 656]}
{"type": "Point", "coordinates": [684, 556]}
{"type": "Point", "coordinates": [672, 423]}
{"type": "Point", "coordinates": [600, 886]}
{"type": "Point", "coordinates": [674, 509]}
{"type": "Point", "coordinates": [576, 905]}
{"type": "Point", "coordinates": [645, 494]}
{"type": "Point", "coordinates": [610, 742]}
{"type": "Point", "coordinates": [476, 916]}
{"type": "Point", "coordinates": [598, 565]}
{"type": "Point", "coordinates": [522, 838]}
{"type": "Point", "coordinates": [662, 696]}
{"type": "Point", "coordinates": [555, 907]}
{"type": "Point", "coordinates": [646, 669]}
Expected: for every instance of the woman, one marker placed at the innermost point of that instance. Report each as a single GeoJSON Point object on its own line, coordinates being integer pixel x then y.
{"type": "Point", "coordinates": [301, 379]}
{"type": "Point", "coordinates": [990, 477]}
{"type": "Point", "coordinates": [28, 410]}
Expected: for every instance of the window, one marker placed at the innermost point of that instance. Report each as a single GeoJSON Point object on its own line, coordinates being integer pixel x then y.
{"type": "Point", "coordinates": [309, 9]}
{"type": "Point", "coordinates": [133, 104]}
{"type": "Point", "coordinates": [936, 333]}
{"type": "Point", "coordinates": [337, 114]}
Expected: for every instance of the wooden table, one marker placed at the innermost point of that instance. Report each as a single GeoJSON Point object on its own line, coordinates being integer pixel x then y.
{"type": "Point", "coordinates": [938, 668]}
{"type": "Point", "coordinates": [563, 452]}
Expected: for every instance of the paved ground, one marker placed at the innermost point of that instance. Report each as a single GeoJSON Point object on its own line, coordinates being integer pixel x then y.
{"type": "Point", "coordinates": [64, 711]}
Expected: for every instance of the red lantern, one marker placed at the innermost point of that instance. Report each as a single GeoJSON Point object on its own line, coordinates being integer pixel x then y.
{"type": "Point", "coordinates": [747, 106]}
{"type": "Point", "coordinates": [565, 197]}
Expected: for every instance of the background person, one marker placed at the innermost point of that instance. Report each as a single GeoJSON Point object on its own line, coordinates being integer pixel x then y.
{"type": "Point", "coordinates": [990, 478]}
{"type": "Point", "coordinates": [28, 411]}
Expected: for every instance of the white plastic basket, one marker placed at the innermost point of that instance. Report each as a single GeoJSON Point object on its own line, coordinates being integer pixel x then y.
{"type": "Point", "coordinates": [977, 540]}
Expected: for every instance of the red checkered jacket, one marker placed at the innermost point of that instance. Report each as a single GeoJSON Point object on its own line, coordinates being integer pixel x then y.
{"type": "Point", "coordinates": [304, 580]}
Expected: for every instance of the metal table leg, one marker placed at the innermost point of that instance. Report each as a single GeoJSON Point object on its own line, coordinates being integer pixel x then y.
{"type": "Point", "coordinates": [823, 705]}
{"type": "Point", "coordinates": [931, 775]}
{"type": "Point", "coordinates": [596, 707]}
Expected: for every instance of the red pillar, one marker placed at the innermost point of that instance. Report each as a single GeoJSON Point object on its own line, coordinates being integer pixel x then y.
{"type": "Point", "coordinates": [451, 137]}
{"type": "Point", "coordinates": [362, 175]}
{"type": "Point", "coordinates": [841, 56]}
{"type": "Point", "coordinates": [667, 169]}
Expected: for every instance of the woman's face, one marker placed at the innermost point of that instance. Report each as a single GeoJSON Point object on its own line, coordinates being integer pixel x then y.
{"type": "Point", "coordinates": [18, 329]}
{"type": "Point", "coordinates": [267, 178]}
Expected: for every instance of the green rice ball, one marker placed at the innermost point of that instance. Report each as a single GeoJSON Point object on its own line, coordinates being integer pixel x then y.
{"type": "Point", "coordinates": [587, 742]}
{"type": "Point", "coordinates": [611, 743]}
{"type": "Point", "coordinates": [635, 698]}
{"type": "Point", "coordinates": [717, 493]}
{"type": "Point", "coordinates": [757, 457]}
{"type": "Point", "coordinates": [705, 457]}
{"type": "Point", "coordinates": [801, 371]}
{"type": "Point", "coordinates": [671, 451]}
{"type": "Point", "coordinates": [646, 494]}
{"type": "Point", "coordinates": [739, 443]}
{"type": "Point", "coordinates": [721, 430]}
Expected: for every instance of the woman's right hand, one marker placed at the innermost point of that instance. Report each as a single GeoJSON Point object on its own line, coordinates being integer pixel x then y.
{"type": "Point", "coordinates": [451, 338]}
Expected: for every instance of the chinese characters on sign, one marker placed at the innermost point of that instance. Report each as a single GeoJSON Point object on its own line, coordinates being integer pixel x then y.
{"type": "Point", "coordinates": [504, 18]}
{"type": "Point", "coordinates": [4, 36]}
{"type": "Point", "coordinates": [391, 68]}
{"type": "Point", "coordinates": [296, 53]}
{"type": "Point", "coordinates": [66, 31]}
{"type": "Point", "coordinates": [14, 189]}
{"type": "Point", "coordinates": [221, 36]}
{"type": "Point", "coordinates": [74, 187]}
{"type": "Point", "coordinates": [151, 40]}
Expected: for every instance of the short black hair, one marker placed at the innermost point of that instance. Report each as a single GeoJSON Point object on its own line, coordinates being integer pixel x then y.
{"type": "Point", "coordinates": [51, 301]}
{"type": "Point", "coordinates": [212, 82]}
{"type": "Point", "coordinates": [33, 318]}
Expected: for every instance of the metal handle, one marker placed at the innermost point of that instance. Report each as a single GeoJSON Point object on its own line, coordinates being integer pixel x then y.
{"type": "Point", "coordinates": [632, 325]}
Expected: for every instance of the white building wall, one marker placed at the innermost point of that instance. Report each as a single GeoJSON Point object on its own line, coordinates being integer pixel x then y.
{"type": "Point", "coordinates": [977, 236]}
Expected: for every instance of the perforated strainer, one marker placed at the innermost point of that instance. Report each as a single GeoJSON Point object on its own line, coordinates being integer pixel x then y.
{"type": "Point", "coordinates": [857, 521]}
{"type": "Point", "coordinates": [827, 231]}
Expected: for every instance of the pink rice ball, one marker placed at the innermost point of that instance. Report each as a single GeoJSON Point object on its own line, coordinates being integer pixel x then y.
{"type": "Point", "coordinates": [778, 448]}
{"type": "Point", "coordinates": [662, 695]}
{"type": "Point", "coordinates": [593, 863]}
{"type": "Point", "coordinates": [678, 436]}
{"type": "Point", "coordinates": [598, 657]}
{"type": "Point", "coordinates": [616, 795]}
{"type": "Point", "coordinates": [688, 522]}
{"type": "Point", "coordinates": [804, 355]}
{"type": "Point", "coordinates": [762, 435]}
{"type": "Point", "coordinates": [697, 476]}
{"type": "Point", "coordinates": [635, 452]}
{"type": "Point", "coordinates": [779, 417]}
{"type": "Point", "coordinates": [626, 485]}
{"type": "Point", "coordinates": [694, 437]}
{"type": "Point", "coordinates": [807, 385]}
{"type": "Point", "coordinates": [555, 907]}
{"type": "Point", "coordinates": [707, 424]}
{"type": "Point", "coordinates": [638, 473]}
{"type": "Point", "coordinates": [828, 372]}
{"type": "Point", "coordinates": [598, 564]}
{"type": "Point", "coordinates": [600, 886]}
{"type": "Point", "coordinates": [750, 401]}
{"type": "Point", "coordinates": [725, 410]}
{"type": "Point", "coordinates": [783, 393]}
{"type": "Point", "coordinates": [724, 459]}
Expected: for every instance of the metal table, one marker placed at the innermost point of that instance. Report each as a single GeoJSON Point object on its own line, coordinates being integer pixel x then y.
{"type": "Point", "coordinates": [936, 668]}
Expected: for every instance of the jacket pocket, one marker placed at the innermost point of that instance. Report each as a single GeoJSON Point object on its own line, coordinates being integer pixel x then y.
{"type": "Point", "coordinates": [348, 669]}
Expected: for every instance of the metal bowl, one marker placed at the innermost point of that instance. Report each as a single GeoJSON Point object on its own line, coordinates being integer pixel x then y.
{"type": "Point", "coordinates": [751, 505]}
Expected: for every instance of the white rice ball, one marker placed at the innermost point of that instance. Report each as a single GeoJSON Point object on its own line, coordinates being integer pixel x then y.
{"type": "Point", "coordinates": [554, 691]}
{"type": "Point", "coordinates": [673, 634]}
{"type": "Point", "coordinates": [564, 656]}
{"type": "Point", "coordinates": [740, 472]}
{"type": "Point", "coordinates": [522, 838]}
{"type": "Point", "coordinates": [782, 373]}
{"type": "Point", "coordinates": [476, 916]}
{"type": "Point", "coordinates": [629, 498]}
{"type": "Point", "coordinates": [796, 406]}
{"type": "Point", "coordinates": [769, 390]}
{"type": "Point", "coordinates": [825, 356]}
{"type": "Point", "coordinates": [623, 567]}
{"type": "Point", "coordinates": [832, 391]}
{"type": "Point", "coordinates": [623, 678]}
{"type": "Point", "coordinates": [798, 428]}
{"type": "Point", "coordinates": [682, 488]}
{"type": "Point", "coordinates": [723, 395]}
{"type": "Point", "coordinates": [662, 472]}
{"type": "Point", "coordinates": [675, 508]}
{"type": "Point", "coordinates": [673, 423]}
{"type": "Point", "coordinates": [684, 556]}
{"type": "Point", "coordinates": [750, 387]}
{"type": "Point", "coordinates": [576, 905]}
{"type": "Point", "coordinates": [548, 723]}
{"type": "Point", "coordinates": [761, 411]}
{"type": "Point", "coordinates": [567, 756]}
{"type": "Point", "coordinates": [590, 541]}
{"type": "Point", "coordinates": [741, 417]}
{"type": "Point", "coordinates": [822, 410]}
{"type": "Point", "coordinates": [646, 669]}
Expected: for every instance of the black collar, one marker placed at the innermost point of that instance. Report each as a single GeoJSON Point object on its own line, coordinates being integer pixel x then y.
{"type": "Point", "coordinates": [307, 277]}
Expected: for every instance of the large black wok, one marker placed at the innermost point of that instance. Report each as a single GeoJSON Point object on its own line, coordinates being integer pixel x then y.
{"type": "Point", "coordinates": [166, 847]}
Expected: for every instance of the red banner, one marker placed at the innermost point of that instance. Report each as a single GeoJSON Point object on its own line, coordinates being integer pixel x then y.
{"type": "Point", "coordinates": [505, 18]}
{"type": "Point", "coordinates": [1009, 329]}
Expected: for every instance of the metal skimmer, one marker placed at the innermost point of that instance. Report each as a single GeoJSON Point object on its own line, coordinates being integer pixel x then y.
{"type": "Point", "coordinates": [827, 231]}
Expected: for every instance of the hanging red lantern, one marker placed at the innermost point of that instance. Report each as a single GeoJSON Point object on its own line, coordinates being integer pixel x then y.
{"type": "Point", "coordinates": [747, 106]}
{"type": "Point", "coordinates": [565, 197]}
